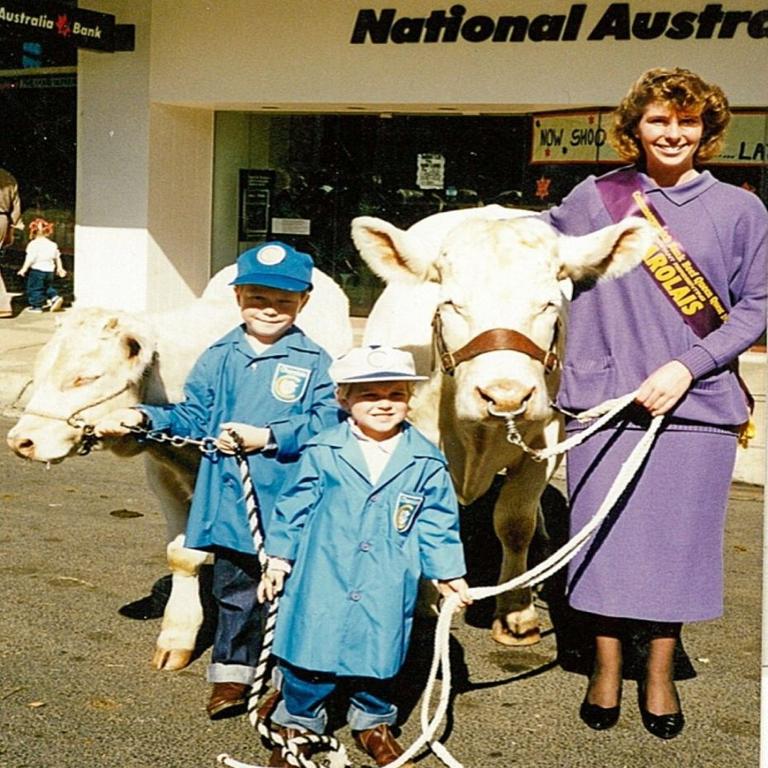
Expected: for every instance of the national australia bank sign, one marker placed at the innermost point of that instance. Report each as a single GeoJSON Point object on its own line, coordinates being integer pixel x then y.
{"type": "Point", "coordinates": [34, 19]}
{"type": "Point", "coordinates": [617, 22]}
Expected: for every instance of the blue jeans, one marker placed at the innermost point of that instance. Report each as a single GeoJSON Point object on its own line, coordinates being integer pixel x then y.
{"type": "Point", "coordinates": [39, 287]}
{"type": "Point", "coordinates": [240, 623]}
{"type": "Point", "coordinates": [304, 694]}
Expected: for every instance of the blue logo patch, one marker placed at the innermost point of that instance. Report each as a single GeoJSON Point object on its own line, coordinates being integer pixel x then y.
{"type": "Point", "coordinates": [289, 382]}
{"type": "Point", "coordinates": [408, 504]}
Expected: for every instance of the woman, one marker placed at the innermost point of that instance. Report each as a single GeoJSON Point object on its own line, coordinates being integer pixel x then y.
{"type": "Point", "coordinates": [657, 561]}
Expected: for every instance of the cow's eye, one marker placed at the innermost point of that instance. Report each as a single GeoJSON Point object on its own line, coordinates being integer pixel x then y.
{"type": "Point", "coordinates": [81, 381]}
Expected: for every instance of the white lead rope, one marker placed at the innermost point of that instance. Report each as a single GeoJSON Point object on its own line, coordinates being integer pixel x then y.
{"type": "Point", "coordinates": [545, 569]}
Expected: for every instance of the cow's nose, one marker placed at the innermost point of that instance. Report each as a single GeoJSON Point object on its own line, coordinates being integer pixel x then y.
{"type": "Point", "coordinates": [23, 446]}
{"type": "Point", "coordinates": [506, 396]}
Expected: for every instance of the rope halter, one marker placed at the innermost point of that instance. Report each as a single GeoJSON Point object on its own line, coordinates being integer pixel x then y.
{"type": "Point", "coordinates": [88, 439]}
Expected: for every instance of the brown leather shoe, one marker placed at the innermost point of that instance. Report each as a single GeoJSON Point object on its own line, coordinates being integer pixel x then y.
{"type": "Point", "coordinates": [227, 700]}
{"type": "Point", "coordinates": [380, 744]}
{"type": "Point", "coordinates": [276, 759]}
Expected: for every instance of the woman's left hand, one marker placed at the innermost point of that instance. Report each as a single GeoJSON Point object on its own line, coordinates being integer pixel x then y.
{"type": "Point", "coordinates": [661, 391]}
{"type": "Point", "coordinates": [448, 587]}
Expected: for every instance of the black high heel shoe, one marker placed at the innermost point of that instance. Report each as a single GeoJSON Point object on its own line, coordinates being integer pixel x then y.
{"type": "Point", "coordinates": [661, 726]}
{"type": "Point", "coordinates": [599, 718]}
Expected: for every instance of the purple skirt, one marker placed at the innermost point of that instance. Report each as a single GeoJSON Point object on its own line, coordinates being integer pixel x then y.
{"type": "Point", "coordinates": [658, 556]}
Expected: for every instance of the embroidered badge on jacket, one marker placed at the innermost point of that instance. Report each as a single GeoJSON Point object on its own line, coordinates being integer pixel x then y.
{"type": "Point", "coordinates": [407, 506]}
{"type": "Point", "coordinates": [289, 382]}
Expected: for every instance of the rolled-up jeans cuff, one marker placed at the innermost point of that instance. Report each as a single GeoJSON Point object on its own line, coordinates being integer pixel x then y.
{"type": "Point", "coordinates": [283, 717]}
{"type": "Point", "coordinates": [362, 721]}
{"type": "Point", "coordinates": [230, 673]}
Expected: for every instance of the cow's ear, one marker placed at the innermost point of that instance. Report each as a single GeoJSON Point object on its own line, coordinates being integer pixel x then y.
{"type": "Point", "coordinates": [607, 253]}
{"type": "Point", "coordinates": [393, 254]}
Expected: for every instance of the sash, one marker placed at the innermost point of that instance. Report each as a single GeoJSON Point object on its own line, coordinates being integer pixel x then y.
{"type": "Point", "coordinates": [673, 271]}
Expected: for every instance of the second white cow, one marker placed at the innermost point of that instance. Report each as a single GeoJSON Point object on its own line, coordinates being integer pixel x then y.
{"type": "Point", "coordinates": [476, 296]}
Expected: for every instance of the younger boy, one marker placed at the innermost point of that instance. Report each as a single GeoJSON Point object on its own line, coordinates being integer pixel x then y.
{"type": "Point", "coordinates": [370, 512]}
{"type": "Point", "coordinates": [265, 384]}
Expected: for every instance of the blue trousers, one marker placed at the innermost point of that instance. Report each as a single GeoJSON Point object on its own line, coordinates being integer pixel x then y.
{"type": "Point", "coordinates": [39, 287]}
{"type": "Point", "coordinates": [304, 694]}
{"type": "Point", "coordinates": [240, 623]}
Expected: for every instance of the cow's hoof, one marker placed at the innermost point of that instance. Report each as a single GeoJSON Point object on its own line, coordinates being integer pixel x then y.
{"type": "Point", "coordinates": [169, 660]}
{"type": "Point", "coordinates": [504, 636]}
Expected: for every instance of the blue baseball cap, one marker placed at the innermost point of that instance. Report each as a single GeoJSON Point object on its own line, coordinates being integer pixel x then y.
{"type": "Point", "coordinates": [276, 265]}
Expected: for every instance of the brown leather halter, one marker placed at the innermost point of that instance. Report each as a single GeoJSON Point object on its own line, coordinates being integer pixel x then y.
{"type": "Point", "coordinates": [495, 339]}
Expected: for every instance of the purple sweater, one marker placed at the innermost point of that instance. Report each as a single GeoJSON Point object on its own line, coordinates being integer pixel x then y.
{"type": "Point", "coordinates": [620, 331]}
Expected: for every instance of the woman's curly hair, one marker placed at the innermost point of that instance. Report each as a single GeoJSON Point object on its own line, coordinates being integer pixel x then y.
{"type": "Point", "coordinates": [684, 91]}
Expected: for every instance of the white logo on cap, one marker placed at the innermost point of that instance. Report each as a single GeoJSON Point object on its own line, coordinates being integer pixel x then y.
{"type": "Point", "coordinates": [378, 358]}
{"type": "Point", "coordinates": [271, 254]}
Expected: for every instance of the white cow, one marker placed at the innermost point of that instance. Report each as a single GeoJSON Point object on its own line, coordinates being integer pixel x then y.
{"type": "Point", "coordinates": [99, 359]}
{"type": "Point", "coordinates": [480, 275]}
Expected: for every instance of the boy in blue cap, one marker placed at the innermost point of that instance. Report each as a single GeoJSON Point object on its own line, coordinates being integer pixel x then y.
{"type": "Point", "coordinates": [264, 385]}
{"type": "Point", "coordinates": [369, 511]}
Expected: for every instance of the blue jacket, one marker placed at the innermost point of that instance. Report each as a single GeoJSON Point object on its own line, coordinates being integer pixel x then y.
{"type": "Point", "coordinates": [359, 552]}
{"type": "Point", "coordinates": [285, 388]}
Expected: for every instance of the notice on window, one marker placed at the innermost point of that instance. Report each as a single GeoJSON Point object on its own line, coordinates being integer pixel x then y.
{"type": "Point", "coordinates": [291, 226]}
{"type": "Point", "coordinates": [430, 171]}
{"type": "Point", "coordinates": [255, 201]}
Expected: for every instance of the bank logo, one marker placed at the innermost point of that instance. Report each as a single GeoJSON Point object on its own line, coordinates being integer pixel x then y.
{"type": "Point", "coordinates": [289, 382]}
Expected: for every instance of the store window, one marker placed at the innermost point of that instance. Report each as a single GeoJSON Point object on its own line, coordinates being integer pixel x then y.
{"type": "Point", "coordinates": [303, 178]}
{"type": "Point", "coordinates": [310, 176]}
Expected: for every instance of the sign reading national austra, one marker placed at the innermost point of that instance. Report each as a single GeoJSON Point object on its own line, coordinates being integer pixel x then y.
{"type": "Point", "coordinates": [619, 21]}
{"type": "Point", "coordinates": [38, 20]}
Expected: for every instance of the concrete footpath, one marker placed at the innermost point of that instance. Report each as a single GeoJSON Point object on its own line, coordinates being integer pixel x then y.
{"type": "Point", "coordinates": [21, 338]}
{"type": "Point", "coordinates": [83, 688]}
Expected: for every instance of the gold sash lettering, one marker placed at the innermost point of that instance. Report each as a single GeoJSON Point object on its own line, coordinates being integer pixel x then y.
{"type": "Point", "coordinates": [675, 272]}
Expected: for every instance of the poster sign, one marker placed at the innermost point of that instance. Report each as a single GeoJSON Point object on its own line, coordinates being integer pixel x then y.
{"type": "Point", "coordinates": [256, 189]}
{"type": "Point", "coordinates": [430, 171]}
{"type": "Point", "coordinates": [746, 142]}
{"type": "Point", "coordinates": [573, 137]}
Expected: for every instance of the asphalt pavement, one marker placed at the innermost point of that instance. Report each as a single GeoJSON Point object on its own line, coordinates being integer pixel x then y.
{"type": "Point", "coordinates": [76, 689]}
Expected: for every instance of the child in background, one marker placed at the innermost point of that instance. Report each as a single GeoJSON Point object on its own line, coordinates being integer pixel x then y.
{"type": "Point", "coordinates": [370, 512]}
{"type": "Point", "coordinates": [43, 259]}
{"type": "Point", "coordinates": [264, 385]}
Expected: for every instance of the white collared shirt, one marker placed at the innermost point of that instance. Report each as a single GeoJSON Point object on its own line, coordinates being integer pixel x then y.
{"type": "Point", "coordinates": [376, 453]}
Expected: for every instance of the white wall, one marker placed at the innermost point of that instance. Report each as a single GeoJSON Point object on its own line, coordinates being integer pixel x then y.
{"type": "Point", "coordinates": [179, 198]}
{"type": "Point", "coordinates": [144, 178]}
{"type": "Point", "coordinates": [112, 169]}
